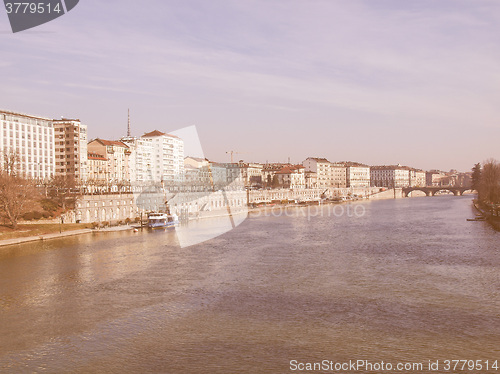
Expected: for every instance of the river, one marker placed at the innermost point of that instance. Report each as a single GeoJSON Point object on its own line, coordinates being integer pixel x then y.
{"type": "Point", "coordinates": [406, 280]}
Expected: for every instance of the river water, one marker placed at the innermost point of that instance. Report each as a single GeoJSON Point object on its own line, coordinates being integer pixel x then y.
{"type": "Point", "coordinates": [407, 280]}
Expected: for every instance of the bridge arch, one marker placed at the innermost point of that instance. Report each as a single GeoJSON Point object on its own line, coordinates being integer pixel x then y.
{"type": "Point", "coordinates": [471, 190]}
{"type": "Point", "coordinates": [408, 190]}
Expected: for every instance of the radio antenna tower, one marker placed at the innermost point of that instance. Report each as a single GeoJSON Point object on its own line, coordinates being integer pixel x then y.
{"type": "Point", "coordinates": [128, 126]}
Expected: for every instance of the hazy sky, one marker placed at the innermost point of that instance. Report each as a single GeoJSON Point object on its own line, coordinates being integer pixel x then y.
{"type": "Point", "coordinates": [410, 82]}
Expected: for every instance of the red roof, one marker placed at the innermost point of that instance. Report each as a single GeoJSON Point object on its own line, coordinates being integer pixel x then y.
{"type": "Point", "coordinates": [290, 169]}
{"type": "Point", "coordinates": [153, 133]}
{"type": "Point", "coordinates": [285, 170]}
{"type": "Point", "coordinates": [157, 133]}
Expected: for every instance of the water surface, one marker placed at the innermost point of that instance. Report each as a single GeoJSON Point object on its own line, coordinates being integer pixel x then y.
{"type": "Point", "coordinates": [410, 280]}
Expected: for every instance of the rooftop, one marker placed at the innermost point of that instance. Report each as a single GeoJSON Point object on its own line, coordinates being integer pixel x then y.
{"type": "Point", "coordinates": [352, 164]}
{"type": "Point", "coordinates": [66, 120]}
{"type": "Point", "coordinates": [23, 115]}
{"type": "Point", "coordinates": [109, 142]}
{"type": "Point", "coordinates": [157, 133]}
{"type": "Point", "coordinates": [318, 159]}
{"type": "Point", "coordinates": [289, 169]}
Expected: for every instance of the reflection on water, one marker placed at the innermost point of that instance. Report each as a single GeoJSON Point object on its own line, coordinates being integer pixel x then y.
{"type": "Point", "coordinates": [410, 280]}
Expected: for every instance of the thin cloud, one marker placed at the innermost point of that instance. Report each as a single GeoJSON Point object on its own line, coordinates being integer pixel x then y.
{"type": "Point", "coordinates": [428, 64]}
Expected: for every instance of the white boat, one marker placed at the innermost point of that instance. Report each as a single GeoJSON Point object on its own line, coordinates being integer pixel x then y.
{"type": "Point", "coordinates": [162, 220]}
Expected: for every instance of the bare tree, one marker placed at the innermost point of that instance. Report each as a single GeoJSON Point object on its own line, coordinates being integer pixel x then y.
{"type": "Point", "coordinates": [18, 195]}
{"type": "Point", "coordinates": [490, 181]}
{"type": "Point", "coordinates": [61, 191]}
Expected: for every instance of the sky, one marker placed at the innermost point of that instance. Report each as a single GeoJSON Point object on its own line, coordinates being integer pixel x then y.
{"type": "Point", "coordinates": [374, 81]}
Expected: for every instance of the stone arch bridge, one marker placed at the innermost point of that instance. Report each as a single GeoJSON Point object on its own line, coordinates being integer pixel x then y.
{"type": "Point", "coordinates": [431, 191]}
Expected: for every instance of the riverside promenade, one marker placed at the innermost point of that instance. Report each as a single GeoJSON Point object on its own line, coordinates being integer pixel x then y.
{"type": "Point", "coordinates": [27, 239]}
{"type": "Point", "coordinates": [57, 235]}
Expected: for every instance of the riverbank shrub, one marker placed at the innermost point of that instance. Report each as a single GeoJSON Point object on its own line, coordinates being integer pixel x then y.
{"type": "Point", "coordinates": [50, 207]}
{"type": "Point", "coordinates": [36, 215]}
{"type": "Point", "coordinates": [29, 216]}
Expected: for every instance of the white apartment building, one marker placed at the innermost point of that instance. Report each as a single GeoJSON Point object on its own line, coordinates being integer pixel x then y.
{"type": "Point", "coordinates": [251, 173]}
{"type": "Point", "coordinates": [390, 176]}
{"type": "Point", "coordinates": [311, 179]}
{"type": "Point", "coordinates": [33, 140]}
{"type": "Point", "coordinates": [358, 175]}
{"type": "Point", "coordinates": [200, 172]}
{"type": "Point", "coordinates": [417, 178]}
{"type": "Point", "coordinates": [292, 177]}
{"type": "Point", "coordinates": [268, 172]}
{"type": "Point", "coordinates": [325, 176]}
{"type": "Point", "coordinates": [71, 149]}
{"type": "Point", "coordinates": [339, 173]}
{"type": "Point", "coordinates": [98, 169]}
{"type": "Point", "coordinates": [436, 178]}
{"type": "Point", "coordinates": [219, 174]}
{"type": "Point", "coordinates": [234, 174]}
{"type": "Point", "coordinates": [197, 172]}
{"type": "Point", "coordinates": [140, 159]}
{"type": "Point", "coordinates": [117, 154]}
{"type": "Point", "coordinates": [167, 157]}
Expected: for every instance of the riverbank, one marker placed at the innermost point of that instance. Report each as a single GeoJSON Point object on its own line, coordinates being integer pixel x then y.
{"type": "Point", "coordinates": [38, 229]}
{"type": "Point", "coordinates": [27, 239]}
{"type": "Point", "coordinates": [493, 220]}
{"type": "Point", "coordinates": [32, 232]}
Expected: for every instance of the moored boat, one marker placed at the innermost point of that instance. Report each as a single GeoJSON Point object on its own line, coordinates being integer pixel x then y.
{"type": "Point", "coordinates": [162, 220]}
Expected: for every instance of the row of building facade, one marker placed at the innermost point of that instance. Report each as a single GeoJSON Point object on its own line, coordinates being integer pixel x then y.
{"type": "Point", "coordinates": [316, 172]}
{"type": "Point", "coordinates": [49, 148]}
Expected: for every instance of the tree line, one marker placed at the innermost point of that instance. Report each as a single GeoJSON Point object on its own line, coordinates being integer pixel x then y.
{"type": "Point", "coordinates": [486, 181]}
